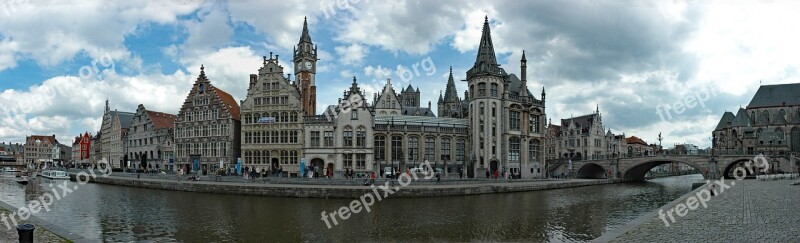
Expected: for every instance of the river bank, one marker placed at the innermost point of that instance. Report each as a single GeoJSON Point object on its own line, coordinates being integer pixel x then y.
{"type": "Point", "coordinates": [303, 189]}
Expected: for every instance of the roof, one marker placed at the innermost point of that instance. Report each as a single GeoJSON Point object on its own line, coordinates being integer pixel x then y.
{"type": "Point", "coordinates": [742, 119]}
{"type": "Point", "coordinates": [450, 93]}
{"type": "Point", "coordinates": [50, 139]}
{"type": "Point", "coordinates": [419, 120]}
{"type": "Point", "coordinates": [584, 121]}
{"type": "Point", "coordinates": [227, 99]}
{"type": "Point", "coordinates": [635, 140]}
{"type": "Point", "coordinates": [486, 60]}
{"type": "Point", "coordinates": [727, 117]}
{"type": "Point", "coordinates": [776, 95]}
{"type": "Point", "coordinates": [513, 85]}
{"type": "Point", "coordinates": [161, 119]}
{"type": "Point", "coordinates": [418, 111]}
{"type": "Point", "coordinates": [125, 118]}
{"type": "Point", "coordinates": [305, 37]}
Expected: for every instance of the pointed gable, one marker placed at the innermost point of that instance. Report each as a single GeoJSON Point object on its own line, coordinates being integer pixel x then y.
{"type": "Point", "coordinates": [726, 118]}
{"type": "Point", "coordinates": [388, 98]}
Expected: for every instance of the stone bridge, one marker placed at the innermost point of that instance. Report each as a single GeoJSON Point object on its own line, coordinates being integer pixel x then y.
{"type": "Point", "coordinates": [635, 168]}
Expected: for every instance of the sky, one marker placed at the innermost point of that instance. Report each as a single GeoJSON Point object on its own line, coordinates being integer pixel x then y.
{"type": "Point", "coordinates": [60, 61]}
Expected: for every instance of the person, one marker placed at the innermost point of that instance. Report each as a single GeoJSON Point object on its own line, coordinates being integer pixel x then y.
{"type": "Point", "coordinates": [496, 174]}
{"type": "Point", "coordinates": [438, 177]}
{"type": "Point", "coordinates": [373, 178]}
{"type": "Point", "coordinates": [460, 173]}
{"type": "Point", "coordinates": [487, 174]}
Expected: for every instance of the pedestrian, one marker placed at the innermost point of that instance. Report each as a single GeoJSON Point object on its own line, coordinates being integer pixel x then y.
{"type": "Point", "coordinates": [438, 177]}
{"type": "Point", "coordinates": [460, 173]}
{"type": "Point", "coordinates": [487, 174]}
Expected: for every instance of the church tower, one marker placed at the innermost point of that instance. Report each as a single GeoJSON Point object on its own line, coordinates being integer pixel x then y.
{"type": "Point", "coordinates": [305, 70]}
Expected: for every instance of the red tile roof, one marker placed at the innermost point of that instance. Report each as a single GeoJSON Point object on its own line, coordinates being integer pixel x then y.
{"type": "Point", "coordinates": [161, 120]}
{"type": "Point", "coordinates": [51, 139]}
{"type": "Point", "coordinates": [634, 139]}
{"type": "Point", "coordinates": [227, 99]}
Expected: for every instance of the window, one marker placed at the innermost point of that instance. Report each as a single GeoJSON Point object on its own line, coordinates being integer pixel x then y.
{"type": "Point", "coordinates": [445, 149]}
{"type": "Point", "coordinates": [361, 138]}
{"type": "Point", "coordinates": [347, 138]}
{"type": "Point", "coordinates": [328, 139]}
{"type": "Point", "coordinates": [534, 124]}
{"type": "Point", "coordinates": [348, 160]}
{"type": "Point", "coordinates": [460, 150]}
{"type": "Point", "coordinates": [482, 108]}
{"type": "Point", "coordinates": [494, 90]}
{"type": "Point", "coordinates": [430, 149]}
{"type": "Point", "coordinates": [361, 161]}
{"type": "Point", "coordinates": [533, 147]}
{"type": "Point", "coordinates": [380, 147]}
{"type": "Point", "coordinates": [513, 149]}
{"type": "Point", "coordinates": [514, 120]}
{"type": "Point", "coordinates": [397, 148]}
{"type": "Point", "coordinates": [482, 89]}
{"type": "Point", "coordinates": [413, 148]}
{"type": "Point", "coordinates": [314, 139]}
{"type": "Point", "coordinates": [353, 114]}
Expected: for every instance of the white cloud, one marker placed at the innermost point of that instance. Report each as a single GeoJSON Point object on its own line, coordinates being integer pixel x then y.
{"type": "Point", "coordinates": [51, 32]}
{"type": "Point", "coordinates": [352, 54]}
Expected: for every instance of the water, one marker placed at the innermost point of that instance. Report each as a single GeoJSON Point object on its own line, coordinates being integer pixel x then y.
{"type": "Point", "coordinates": [116, 213]}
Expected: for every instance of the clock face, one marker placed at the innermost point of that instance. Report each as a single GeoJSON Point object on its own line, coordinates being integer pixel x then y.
{"type": "Point", "coordinates": [308, 65]}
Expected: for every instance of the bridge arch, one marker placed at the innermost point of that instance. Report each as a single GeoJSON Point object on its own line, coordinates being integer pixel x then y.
{"type": "Point", "coordinates": [730, 167]}
{"type": "Point", "coordinates": [637, 172]}
{"type": "Point", "coordinates": [592, 171]}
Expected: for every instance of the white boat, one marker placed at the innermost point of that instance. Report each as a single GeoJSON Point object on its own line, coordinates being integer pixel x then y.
{"type": "Point", "coordinates": [55, 174]}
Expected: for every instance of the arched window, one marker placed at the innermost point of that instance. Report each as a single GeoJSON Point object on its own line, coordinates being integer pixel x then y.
{"type": "Point", "coordinates": [413, 148]}
{"type": "Point", "coordinates": [347, 136]}
{"type": "Point", "coordinates": [397, 148]}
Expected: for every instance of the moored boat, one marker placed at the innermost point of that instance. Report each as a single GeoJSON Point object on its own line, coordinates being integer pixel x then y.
{"type": "Point", "coordinates": [55, 175]}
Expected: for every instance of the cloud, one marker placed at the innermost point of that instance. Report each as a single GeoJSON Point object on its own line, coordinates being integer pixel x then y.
{"type": "Point", "coordinates": [352, 54]}
{"type": "Point", "coordinates": [93, 27]}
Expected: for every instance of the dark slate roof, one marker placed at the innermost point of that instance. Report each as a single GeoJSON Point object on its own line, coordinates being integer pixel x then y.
{"type": "Point", "coordinates": [414, 111]}
{"type": "Point", "coordinates": [727, 117]}
{"type": "Point", "coordinates": [305, 37]}
{"type": "Point", "coordinates": [742, 119]}
{"type": "Point", "coordinates": [486, 60]}
{"type": "Point", "coordinates": [584, 121]}
{"type": "Point", "coordinates": [776, 95]}
{"type": "Point", "coordinates": [513, 85]}
{"type": "Point", "coordinates": [125, 118]}
{"type": "Point", "coordinates": [450, 93]}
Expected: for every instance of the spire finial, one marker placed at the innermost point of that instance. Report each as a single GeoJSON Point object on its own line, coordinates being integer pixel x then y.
{"type": "Point", "coordinates": [202, 68]}
{"type": "Point", "coordinates": [486, 18]}
{"type": "Point", "coordinates": [523, 56]}
{"type": "Point", "coordinates": [354, 79]}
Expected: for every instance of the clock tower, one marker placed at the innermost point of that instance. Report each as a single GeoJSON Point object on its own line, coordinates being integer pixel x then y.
{"type": "Point", "coordinates": [305, 70]}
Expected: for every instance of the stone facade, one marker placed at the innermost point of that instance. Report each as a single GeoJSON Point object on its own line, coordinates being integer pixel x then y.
{"type": "Point", "coordinates": [112, 136]}
{"type": "Point", "coordinates": [770, 123]}
{"type": "Point", "coordinates": [39, 149]}
{"type": "Point", "coordinates": [150, 139]}
{"type": "Point", "coordinates": [207, 129]}
{"type": "Point", "coordinates": [507, 121]}
{"type": "Point", "coordinates": [272, 121]}
{"type": "Point", "coordinates": [341, 139]}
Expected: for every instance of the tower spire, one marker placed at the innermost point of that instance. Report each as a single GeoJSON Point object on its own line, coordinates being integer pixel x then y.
{"type": "Point", "coordinates": [486, 61]}
{"type": "Point", "coordinates": [450, 93]}
{"type": "Point", "coordinates": [305, 37]}
{"type": "Point", "coordinates": [523, 84]}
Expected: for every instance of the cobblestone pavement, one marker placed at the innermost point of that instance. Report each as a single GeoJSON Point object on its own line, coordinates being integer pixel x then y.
{"type": "Point", "coordinates": [39, 234]}
{"type": "Point", "coordinates": [748, 211]}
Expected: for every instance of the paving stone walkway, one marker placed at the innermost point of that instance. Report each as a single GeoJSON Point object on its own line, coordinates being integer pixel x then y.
{"type": "Point", "coordinates": [39, 234]}
{"type": "Point", "coordinates": [748, 211]}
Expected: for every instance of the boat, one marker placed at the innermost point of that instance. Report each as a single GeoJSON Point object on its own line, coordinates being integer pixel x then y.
{"type": "Point", "coordinates": [55, 175]}
{"type": "Point", "coordinates": [23, 181]}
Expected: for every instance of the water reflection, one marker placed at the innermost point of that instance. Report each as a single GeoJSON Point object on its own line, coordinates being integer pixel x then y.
{"type": "Point", "coordinates": [116, 213]}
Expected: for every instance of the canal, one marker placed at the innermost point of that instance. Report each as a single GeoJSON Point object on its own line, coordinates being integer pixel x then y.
{"type": "Point", "coordinates": [117, 213]}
